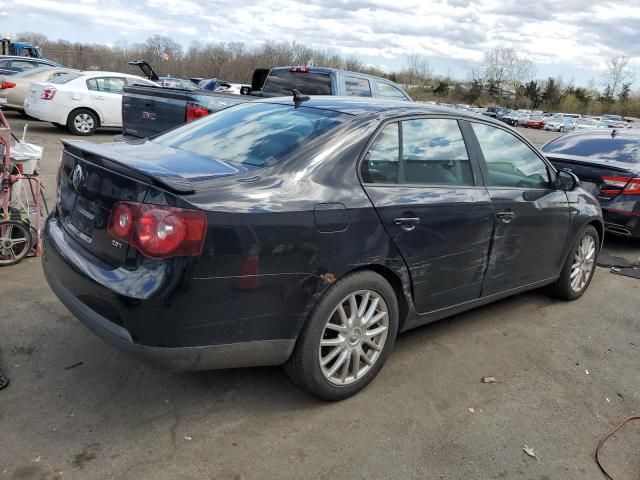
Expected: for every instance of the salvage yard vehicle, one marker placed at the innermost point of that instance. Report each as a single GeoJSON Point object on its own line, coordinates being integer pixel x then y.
{"type": "Point", "coordinates": [10, 65]}
{"type": "Point", "coordinates": [309, 232]}
{"type": "Point", "coordinates": [150, 111]}
{"type": "Point", "coordinates": [608, 166]}
{"type": "Point", "coordinates": [16, 95]}
{"type": "Point", "coordinates": [560, 124]}
{"type": "Point", "coordinates": [82, 101]}
{"type": "Point", "coordinates": [589, 124]}
{"type": "Point", "coordinates": [535, 122]}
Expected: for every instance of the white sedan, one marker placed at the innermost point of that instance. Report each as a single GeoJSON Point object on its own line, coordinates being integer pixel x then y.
{"type": "Point", "coordinates": [82, 101]}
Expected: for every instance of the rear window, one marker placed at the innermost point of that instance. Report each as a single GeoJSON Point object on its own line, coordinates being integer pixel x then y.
{"type": "Point", "coordinates": [282, 82]}
{"type": "Point", "coordinates": [65, 78]}
{"type": "Point", "coordinates": [253, 134]}
{"type": "Point", "coordinates": [620, 149]}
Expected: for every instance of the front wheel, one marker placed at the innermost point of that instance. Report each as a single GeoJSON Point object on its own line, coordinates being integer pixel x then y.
{"type": "Point", "coordinates": [580, 266]}
{"type": "Point", "coordinates": [347, 338]}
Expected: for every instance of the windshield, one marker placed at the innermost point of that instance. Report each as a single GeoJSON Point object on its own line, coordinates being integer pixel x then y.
{"type": "Point", "coordinates": [282, 82]}
{"type": "Point", "coordinates": [253, 134]}
{"type": "Point", "coordinates": [62, 79]}
{"type": "Point", "coordinates": [620, 149]}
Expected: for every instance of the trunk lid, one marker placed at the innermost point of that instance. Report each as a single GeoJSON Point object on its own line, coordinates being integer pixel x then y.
{"type": "Point", "coordinates": [93, 178]}
{"type": "Point", "coordinates": [604, 179]}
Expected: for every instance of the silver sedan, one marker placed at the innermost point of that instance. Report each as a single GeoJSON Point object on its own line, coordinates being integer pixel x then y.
{"type": "Point", "coordinates": [15, 96]}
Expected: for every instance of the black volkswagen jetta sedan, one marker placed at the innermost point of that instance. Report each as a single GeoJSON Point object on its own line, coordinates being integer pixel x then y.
{"type": "Point", "coordinates": [309, 232]}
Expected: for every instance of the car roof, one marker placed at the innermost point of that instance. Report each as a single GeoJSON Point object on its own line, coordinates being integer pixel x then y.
{"type": "Point", "coordinates": [331, 70]}
{"type": "Point", "coordinates": [605, 132]}
{"type": "Point", "coordinates": [368, 105]}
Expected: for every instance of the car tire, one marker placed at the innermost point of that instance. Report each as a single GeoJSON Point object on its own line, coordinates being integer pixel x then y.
{"type": "Point", "coordinates": [337, 354]}
{"type": "Point", "coordinates": [579, 267]}
{"type": "Point", "coordinates": [561, 130]}
{"type": "Point", "coordinates": [82, 122]}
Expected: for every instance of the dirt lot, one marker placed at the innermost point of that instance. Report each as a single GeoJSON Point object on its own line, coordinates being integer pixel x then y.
{"type": "Point", "coordinates": [566, 373]}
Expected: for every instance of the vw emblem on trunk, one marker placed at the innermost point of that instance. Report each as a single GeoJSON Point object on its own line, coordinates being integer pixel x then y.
{"type": "Point", "coordinates": [76, 176]}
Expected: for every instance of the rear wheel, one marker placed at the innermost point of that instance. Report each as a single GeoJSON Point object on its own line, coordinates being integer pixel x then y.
{"type": "Point", "coordinates": [347, 338]}
{"type": "Point", "coordinates": [580, 266]}
{"type": "Point", "coordinates": [82, 122]}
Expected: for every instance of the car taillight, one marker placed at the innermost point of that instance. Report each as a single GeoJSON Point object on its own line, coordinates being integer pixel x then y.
{"type": "Point", "coordinates": [299, 69]}
{"type": "Point", "coordinates": [633, 187]}
{"type": "Point", "coordinates": [616, 185]}
{"type": "Point", "coordinates": [158, 231]}
{"type": "Point", "coordinates": [4, 84]}
{"type": "Point", "coordinates": [195, 111]}
{"type": "Point", "coordinates": [48, 93]}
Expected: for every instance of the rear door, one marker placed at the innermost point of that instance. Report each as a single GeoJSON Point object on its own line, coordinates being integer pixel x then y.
{"type": "Point", "coordinates": [106, 95]}
{"type": "Point", "coordinates": [426, 190]}
{"type": "Point", "coordinates": [529, 242]}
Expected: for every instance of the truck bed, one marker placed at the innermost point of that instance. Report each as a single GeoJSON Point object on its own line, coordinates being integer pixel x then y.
{"type": "Point", "coordinates": [149, 111]}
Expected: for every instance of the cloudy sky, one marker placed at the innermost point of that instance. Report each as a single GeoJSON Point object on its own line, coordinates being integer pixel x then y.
{"type": "Point", "coordinates": [572, 38]}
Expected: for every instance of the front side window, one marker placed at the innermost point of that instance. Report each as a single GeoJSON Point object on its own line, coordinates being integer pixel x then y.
{"type": "Point", "coordinates": [380, 164]}
{"type": "Point", "coordinates": [390, 92]}
{"type": "Point", "coordinates": [510, 162]}
{"type": "Point", "coordinates": [253, 134]}
{"type": "Point", "coordinates": [434, 152]}
{"type": "Point", "coordinates": [357, 87]}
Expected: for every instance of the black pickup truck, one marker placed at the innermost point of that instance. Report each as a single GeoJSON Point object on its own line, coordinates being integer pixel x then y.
{"type": "Point", "coordinates": [148, 111]}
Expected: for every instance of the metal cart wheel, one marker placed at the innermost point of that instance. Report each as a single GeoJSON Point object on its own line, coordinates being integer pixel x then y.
{"type": "Point", "coordinates": [15, 242]}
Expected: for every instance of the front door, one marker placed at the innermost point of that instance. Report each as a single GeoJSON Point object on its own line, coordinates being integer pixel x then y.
{"type": "Point", "coordinates": [532, 217]}
{"type": "Point", "coordinates": [106, 95]}
{"type": "Point", "coordinates": [426, 191]}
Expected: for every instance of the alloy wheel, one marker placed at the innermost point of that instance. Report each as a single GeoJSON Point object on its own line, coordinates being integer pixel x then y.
{"type": "Point", "coordinates": [583, 263]}
{"type": "Point", "coordinates": [353, 337]}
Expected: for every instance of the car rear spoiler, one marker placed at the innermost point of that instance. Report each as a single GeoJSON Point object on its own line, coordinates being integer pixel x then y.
{"type": "Point", "coordinates": [128, 166]}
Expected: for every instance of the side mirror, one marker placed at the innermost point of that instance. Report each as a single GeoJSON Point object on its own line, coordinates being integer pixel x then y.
{"type": "Point", "coordinates": [567, 181]}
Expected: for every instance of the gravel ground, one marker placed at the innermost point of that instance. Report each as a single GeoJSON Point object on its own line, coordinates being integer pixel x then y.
{"type": "Point", "coordinates": [565, 373]}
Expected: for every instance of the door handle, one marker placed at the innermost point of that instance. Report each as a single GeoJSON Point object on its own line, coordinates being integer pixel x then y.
{"type": "Point", "coordinates": [407, 223]}
{"type": "Point", "coordinates": [99, 97]}
{"type": "Point", "coordinates": [506, 215]}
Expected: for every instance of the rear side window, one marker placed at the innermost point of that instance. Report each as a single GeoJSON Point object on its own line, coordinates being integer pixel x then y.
{"type": "Point", "coordinates": [389, 91]}
{"type": "Point", "coordinates": [431, 152]}
{"type": "Point", "coordinates": [107, 84]}
{"type": "Point", "coordinates": [253, 134]}
{"type": "Point", "coordinates": [380, 164]}
{"type": "Point", "coordinates": [510, 162]}
{"type": "Point", "coordinates": [282, 82]}
{"type": "Point", "coordinates": [22, 65]}
{"type": "Point", "coordinates": [434, 153]}
{"type": "Point", "coordinates": [357, 87]}
{"type": "Point", "coordinates": [620, 149]}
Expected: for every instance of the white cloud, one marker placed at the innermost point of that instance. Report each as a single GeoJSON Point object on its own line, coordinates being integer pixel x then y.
{"type": "Point", "coordinates": [570, 33]}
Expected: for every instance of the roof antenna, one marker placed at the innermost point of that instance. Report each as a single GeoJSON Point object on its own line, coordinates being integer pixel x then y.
{"type": "Point", "coordinates": [298, 97]}
{"type": "Point", "coordinates": [613, 133]}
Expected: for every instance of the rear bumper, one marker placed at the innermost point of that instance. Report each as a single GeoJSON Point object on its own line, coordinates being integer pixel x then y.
{"type": "Point", "coordinates": [246, 354]}
{"type": "Point", "coordinates": [80, 293]}
{"type": "Point", "coordinates": [48, 112]}
{"type": "Point", "coordinates": [622, 217]}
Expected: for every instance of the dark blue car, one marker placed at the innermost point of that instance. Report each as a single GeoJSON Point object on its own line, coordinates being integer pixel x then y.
{"type": "Point", "coordinates": [608, 165]}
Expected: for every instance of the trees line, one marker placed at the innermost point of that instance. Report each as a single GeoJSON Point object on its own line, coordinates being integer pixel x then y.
{"type": "Point", "coordinates": [506, 77]}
